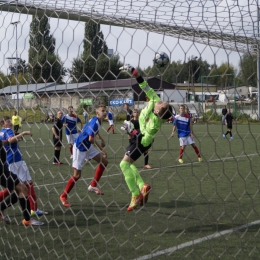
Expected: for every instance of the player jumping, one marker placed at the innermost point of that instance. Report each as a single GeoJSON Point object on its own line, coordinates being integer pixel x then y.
{"type": "Point", "coordinates": [151, 118]}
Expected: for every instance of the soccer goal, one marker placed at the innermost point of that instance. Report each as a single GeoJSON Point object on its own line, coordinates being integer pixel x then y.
{"type": "Point", "coordinates": [63, 58]}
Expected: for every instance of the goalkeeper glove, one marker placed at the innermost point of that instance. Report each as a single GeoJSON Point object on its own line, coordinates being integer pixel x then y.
{"type": "Point", "coordinates": [129, 127]}
{"type": "Point", "coordinates": [129, 68]}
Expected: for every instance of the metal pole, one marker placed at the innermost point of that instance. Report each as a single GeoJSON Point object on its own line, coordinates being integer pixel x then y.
{"type": "Point", "coordinates": [16, 68]}
{"type": "Point", "coordinates": [258, 62]}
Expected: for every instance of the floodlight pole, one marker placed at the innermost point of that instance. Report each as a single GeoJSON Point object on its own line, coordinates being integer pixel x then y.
{"type": "Point", "coordinates": [16, 67]}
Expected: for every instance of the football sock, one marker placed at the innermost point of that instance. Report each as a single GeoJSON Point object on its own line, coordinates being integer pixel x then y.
{"type": "Point", "coordinates": [181, 153]}
{"type": "Point", "coordinates": [108, 128]}
{"type": "Point", "coordinates": [32, 197]}
{"type": "Point", "coordinates": [139, 180]}
{"type": "Point", "coordinates": [12, 199]}
{"type": "Point", "coordinates": [130, 178]}
{"type": "Point", "coordinates": [98, 174]}
{"type": "Point", "coordinates": [230, 134]}
{"type": "Point", "coordinates": [196, 150]}
{"type": "Point", "coordinates": [113, 129]}
{"type": "Point", "coordinates": [227, 133]}
{"type": "Point", "coordinates": [140, 79]}
{"type": "Point", "coordinates": [71, 151]}
{"type": "Point", "coordinates": [69, 186]}
{"type": "Point", "coordinates": [3, 194]}
{"type": "Point", "coordinates": [25, 205]}
{"type": "Point", "coordinates": [146, 158]}
{"type": "Point", "coordinates": [56, 155]}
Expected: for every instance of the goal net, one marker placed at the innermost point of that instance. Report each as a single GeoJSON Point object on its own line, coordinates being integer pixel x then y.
{"type": "Point", "coordinates": [58, 56]}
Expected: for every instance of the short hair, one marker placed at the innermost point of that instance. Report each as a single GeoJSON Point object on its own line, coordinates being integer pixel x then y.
{"type": "Point", "coordinates": [166, 112]}
{"type": "Point", "coordinates": [70, 107]}
{"type": "Point", "coordinates": [4, 118]}
{"type": "Point", "coordinates": [99, 106]}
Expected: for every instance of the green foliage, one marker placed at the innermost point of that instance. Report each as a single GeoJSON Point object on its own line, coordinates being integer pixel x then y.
{"type": "Point", "coordinates": [178, 72]}
{"type": "Point", "coordinates": [248, 70]}
{"type": "Point", "coordinates": [47, 68]}
{"type": "Point", "coordinates": [44, 65]}
{"type": "Point", "coordinates": [94, 43]}
{"type": "Point", "coordinates": [94, 64]}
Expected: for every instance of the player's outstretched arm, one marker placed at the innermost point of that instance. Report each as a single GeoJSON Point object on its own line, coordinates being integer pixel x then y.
{"type": "Point", "coordinates": [132, 70]}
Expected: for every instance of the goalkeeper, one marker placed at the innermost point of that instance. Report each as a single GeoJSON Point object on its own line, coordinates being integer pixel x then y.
{"type": "Point", "coordinates": [150, 120]}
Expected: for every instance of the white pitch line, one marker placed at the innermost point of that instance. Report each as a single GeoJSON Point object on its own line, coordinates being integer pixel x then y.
{"type": "Point", "coordinates": [165, 167]}
{"type": "Point", "coordinates": [196, 241]}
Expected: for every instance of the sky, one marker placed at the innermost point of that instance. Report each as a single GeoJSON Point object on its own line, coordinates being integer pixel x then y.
{"type": "Point", "coordinates": [135, 46]}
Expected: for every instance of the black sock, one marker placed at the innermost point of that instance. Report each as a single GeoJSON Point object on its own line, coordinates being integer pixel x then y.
{"type": "Point", "coordinates": [56, 155]}
{"type": "Point", "coordinates": [226, 132]}
{"type": "Point", "coordinates": [230, 134]}
{"type": "Point", "coordinates": [140, 79]}
{"type": "Point", "coordinates": [146, 158]}
{"type": "Point", "coordinates": [12, 199]}
{"type": "Point", "coordinates": [25, 205]}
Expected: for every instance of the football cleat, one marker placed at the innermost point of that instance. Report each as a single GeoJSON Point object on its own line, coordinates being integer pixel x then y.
{"type": "Point", "coordinates": [224, 136]}
{"type": "Point", "coordinates": [145, 193]}
{"type": "Point", "coordinates": [95, 190]}
{"type": "Point", "coordinates": [232, 138]}
{"type": "Point", "coordinates": [64, 201]}
{"type": "Point", "coordinates": [32, 222]}
{"type": "Point", "coordinates": [135, 201]}
{"type": "Point", "coordinates": [180, 161]}
{"type": "Point", "coordinates": [38, 213]}
{"type": "Point", "coordinates": [199, 159]}
{"type": "Point", "coordinates": [4, 218]}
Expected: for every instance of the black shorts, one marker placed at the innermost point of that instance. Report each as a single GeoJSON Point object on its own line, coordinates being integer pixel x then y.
{"type": "Point", "coordinates": [135, 149]}
{"type": "Point", "coordinates": [9, 180]}
{"type": "Point", "coordinates": [229, 126]}
{"type": "Point", "coordinates": [57, 142]}
{"type": "Point", "coordinates": [16, 128]}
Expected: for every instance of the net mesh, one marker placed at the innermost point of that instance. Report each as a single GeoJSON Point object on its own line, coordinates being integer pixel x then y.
{"type": "Point", "coordinates": [68, 53]}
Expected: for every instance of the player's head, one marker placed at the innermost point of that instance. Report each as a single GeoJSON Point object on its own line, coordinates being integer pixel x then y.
{"type": "Point", "coordinates": [126, 106]}
{"type": "Point", "coordinates": [6, 122]}
{"type": "Point", "coordinates": [70, 109]}
{"type": "Point", "coordinates": [135, 113]}
{"type": "Point", "coordinates": [163, 110]}
{"type": "Point", "coordinates": [182, 109]}
{"type": "Point", "coordinates": [15, 113]}
{"type": "Point", "coordinates": [59, 114]}
{"type": "Point", "coordinates": [101, 111]}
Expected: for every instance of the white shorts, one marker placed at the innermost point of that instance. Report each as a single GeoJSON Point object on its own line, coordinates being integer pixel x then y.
{"type": "Point", "coordinates": [187, 140]}
{"type": "Point", "coordinates": [21, 170]}
{"type": "Point", "coordinates": [80, 157]}
{"type": "Point", "coordinates": [71, 138]}
{"type": "Point", "coordinates": [111, 122]}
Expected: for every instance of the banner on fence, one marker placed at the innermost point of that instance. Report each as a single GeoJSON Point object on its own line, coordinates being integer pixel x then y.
{"type": "Point", "coordinates": [120, 102]}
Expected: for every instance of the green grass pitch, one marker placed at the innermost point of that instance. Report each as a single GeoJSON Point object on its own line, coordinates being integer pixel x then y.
{"type": "Point", "coordinates": [187, 202]}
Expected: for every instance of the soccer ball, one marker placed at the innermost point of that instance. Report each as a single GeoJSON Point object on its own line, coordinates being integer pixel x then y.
{"type": "Point", "coordinates": [161, 59]}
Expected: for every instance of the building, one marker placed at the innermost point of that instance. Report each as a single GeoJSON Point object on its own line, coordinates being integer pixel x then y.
{"type": "Point", "coordinates": [109, 92]}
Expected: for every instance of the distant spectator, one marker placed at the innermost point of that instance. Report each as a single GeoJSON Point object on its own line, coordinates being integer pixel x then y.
{"type": "Point", "coordinates": [129, 112]}
{"type": "Point", "coordinates": [196, 117]}
{"type": "Point", "coordinates": [224, 113]}
{"type": "Point", "coordinates": [85, 114]}
{"type": "Point", "coordinates": [110, 116]}
{"type": "Point", "coordinates": [17, 122]}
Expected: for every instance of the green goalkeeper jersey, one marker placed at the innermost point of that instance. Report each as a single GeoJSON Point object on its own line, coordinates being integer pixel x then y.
{"type": "Point", "coordinates": [149, 122]}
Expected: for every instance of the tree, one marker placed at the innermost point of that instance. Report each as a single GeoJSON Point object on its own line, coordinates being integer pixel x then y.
{"type": "Point", "coordinates": [247, 74]}
{"type": "Point", "coordinates": [44, 65]}
{"type": "Point", "coordinates": [94, 64]}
